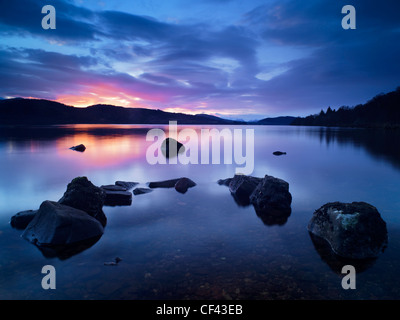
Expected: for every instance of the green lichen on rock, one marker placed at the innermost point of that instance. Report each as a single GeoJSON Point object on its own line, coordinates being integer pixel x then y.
{"type": "Point", "coordinates": [348, 221]}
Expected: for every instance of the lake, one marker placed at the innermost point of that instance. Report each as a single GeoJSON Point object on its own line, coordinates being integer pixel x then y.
{"type": "Point", "coordinates": [201, 244]}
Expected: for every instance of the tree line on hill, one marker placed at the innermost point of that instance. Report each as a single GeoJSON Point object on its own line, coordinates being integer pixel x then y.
{"type": "Point", "coordinates": [382, 111]}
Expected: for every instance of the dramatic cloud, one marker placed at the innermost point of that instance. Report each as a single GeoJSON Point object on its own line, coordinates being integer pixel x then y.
{"type": "Point", "coordinates": [263, 58]}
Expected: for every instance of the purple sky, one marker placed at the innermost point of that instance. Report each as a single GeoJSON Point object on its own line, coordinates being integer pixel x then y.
{"type": "Point", "coordinates": [238, 59]}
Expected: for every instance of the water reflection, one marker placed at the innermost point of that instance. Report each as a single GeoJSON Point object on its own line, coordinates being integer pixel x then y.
{"type": "Point", "coordinates": [269, 217]}
{"type": "Point", "coordinates": [273, 217]}
{"type": "Point", "coordinates": [336, 262]}
{"type": "Point", "coordinates": [380, 143]}
{"type": "Point", "coordinates": [189, 233]}
{"type": "Point", "coordinates": [64, 252]}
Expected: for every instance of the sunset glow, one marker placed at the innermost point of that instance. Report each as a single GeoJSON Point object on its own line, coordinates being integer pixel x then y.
{"type": "Point", "coordinates": [234, 59]}
{"type": "Point", "coordinates": [102, 94]}
{"type": "Point", "coordinates": [107, 152]}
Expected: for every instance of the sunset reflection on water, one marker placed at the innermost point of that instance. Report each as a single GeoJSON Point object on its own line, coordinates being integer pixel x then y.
{"type": "Point", "coordinates": [107, 151]}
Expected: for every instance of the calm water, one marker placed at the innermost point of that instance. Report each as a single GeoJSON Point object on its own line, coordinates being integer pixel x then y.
{"type": "Point", "coordinates": [199, 245]}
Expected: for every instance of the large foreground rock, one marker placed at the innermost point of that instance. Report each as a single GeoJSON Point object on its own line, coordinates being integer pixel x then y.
{"type": "Point", "coordinates": [83, 195]}
{"type": "Point", "coordinates": [353, 230]}
{"type": "Point", "coordinates": [58, 224]}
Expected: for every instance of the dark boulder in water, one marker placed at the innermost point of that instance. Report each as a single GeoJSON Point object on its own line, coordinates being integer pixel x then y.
{"type": "Point", "coordinates": [171, 148]}
{"type": "Point", "coordinates": [353, 230]}
{"type": "Point", "coordinates": [183, 184]}
{"type": "Point", "coordinates": [272, 196]}
{"type": "Point", "coordinates": [242, 186]}
{"type": "Point", "coordinates": [58, 224]}
{"type": "Point", "coordinates": [269, 196]}
{"type": "Point", "coordinates": [83, 195]}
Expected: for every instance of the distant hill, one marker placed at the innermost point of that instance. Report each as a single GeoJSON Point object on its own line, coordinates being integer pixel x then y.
{"type": "Point", "coordinates": [382, 111]}
{"type": "Point", "coordinates": [21, 111]}
{"type": "Point", "coordinates": [280, 121]}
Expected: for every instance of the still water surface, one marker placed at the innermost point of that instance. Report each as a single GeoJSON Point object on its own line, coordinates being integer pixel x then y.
{"type": "Point", "coordinates": [201, 244]}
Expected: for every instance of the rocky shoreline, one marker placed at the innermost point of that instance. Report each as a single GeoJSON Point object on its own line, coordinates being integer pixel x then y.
{"type": "Point", "coordinates": [352, 230]}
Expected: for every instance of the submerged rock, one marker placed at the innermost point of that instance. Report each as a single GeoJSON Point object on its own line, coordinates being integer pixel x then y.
{"type": "Point", "coordinates": [80, 148]}
{"type": "Point", "coordinates": [181, 184]}
{"type": "Point", "coordinates": [118, 198]}
{"type": "Point", "coordinates": [353, 230]}
{"type": "Point", "coordinates": [58, 224]}
{"type": "Point", "coordinates": [113, 263]}
{"type": "Point", "coordinates": [138, 191]}
{"type": "Point", "coordinates": [22, 219]}
{"type": "Point", "coordinates": [126, 184]}
{"type": "Point", "coordinates": [83, 195]}
{"type": "Point", "coordinates": [163, 184]}
{"type": "Point", "coordinates": [113, 187]}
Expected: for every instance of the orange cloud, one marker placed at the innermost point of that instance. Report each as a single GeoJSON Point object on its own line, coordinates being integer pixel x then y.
{"type": "Point", "coordinates": [106, 94]}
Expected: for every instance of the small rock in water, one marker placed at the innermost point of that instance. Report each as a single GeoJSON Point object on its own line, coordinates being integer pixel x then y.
{"type": "Point", "coordinates": [183, 184]}
{"type": "Point", "coordinates": [113, 263]}
{"type": "Point", "coordinates": [171, 147]}
{"type": "Point", "coordinates": [79, 148]}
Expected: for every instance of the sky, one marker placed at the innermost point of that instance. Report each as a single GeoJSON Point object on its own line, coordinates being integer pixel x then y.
{"type": "Point", "coordinates": [238, 59]}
